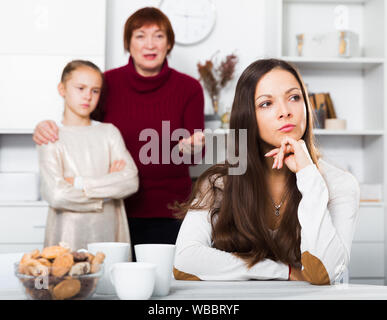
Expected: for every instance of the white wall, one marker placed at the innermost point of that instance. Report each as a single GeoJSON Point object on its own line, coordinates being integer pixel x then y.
{"type": "Point", "coordinates": [239, 29]}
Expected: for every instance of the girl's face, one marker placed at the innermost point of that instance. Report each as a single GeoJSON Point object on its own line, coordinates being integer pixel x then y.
{"type": "Point", "coordinates": [279, 107]}
{"type": "Point", "coordinates": [148, 48]}
{"type": "Point", "coordinates": [81, 91]}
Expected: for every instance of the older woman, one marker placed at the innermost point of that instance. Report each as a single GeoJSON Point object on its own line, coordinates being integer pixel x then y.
{"type": "Point", "coordinates": [291, 215]}
{"type": "Point", "coordinates": [147, 100]}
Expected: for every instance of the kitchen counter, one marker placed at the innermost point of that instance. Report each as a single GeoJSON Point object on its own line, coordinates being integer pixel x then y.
{"type": "Point", "coordinates": [252, 290]}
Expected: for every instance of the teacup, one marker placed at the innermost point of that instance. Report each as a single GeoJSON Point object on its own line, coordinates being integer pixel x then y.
{"type": "Point", "coordinates": [162, 255]}
{"type": "Point", "coordinates": [133, 280]}
{"type": "Point", "coordinates": [114, 252]}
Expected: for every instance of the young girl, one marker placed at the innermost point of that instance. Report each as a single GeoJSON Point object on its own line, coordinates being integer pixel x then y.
{"type": "Point", "coordinates": [86, 173]}
{"type": "Point", "coordinates": [291, 215]}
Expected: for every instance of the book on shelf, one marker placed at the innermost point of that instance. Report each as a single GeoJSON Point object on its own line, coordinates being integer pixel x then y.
{"type": "Point", "coordinates": [322, 108]}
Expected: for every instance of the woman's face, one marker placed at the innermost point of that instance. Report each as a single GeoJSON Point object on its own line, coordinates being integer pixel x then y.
{"type": "Point", "coordinates": [279, 107]}
{"type": "Point", "coordinates": [81, 91]}
{"type": "Point", "coordinates": [148, 48]}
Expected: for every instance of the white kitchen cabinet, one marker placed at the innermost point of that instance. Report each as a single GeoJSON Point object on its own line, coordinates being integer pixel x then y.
{"type": "Point", "coordinates": [38, 38]}
{"type": "Point", "coordinates": [357, 87]}
{"type": "Point", "coordinates": [22, 226]}
{"type": "Point", "coordinates": [370, 225]}
{"type": "Point", "coordinates": [367, 260]}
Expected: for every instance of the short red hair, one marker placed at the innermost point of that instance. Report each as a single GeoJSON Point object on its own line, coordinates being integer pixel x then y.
{"type": "Point", "coordinates": [148, 16]}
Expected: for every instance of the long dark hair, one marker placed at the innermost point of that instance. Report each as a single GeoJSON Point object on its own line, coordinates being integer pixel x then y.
{"type": "Point", "coordinates": [238, 203]}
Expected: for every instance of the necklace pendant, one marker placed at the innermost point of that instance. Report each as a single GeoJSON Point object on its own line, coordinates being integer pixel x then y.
{"type": "Point", "coordinates": [277, 212]}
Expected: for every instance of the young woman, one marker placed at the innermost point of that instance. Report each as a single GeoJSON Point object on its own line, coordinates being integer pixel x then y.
{"type": "Point", "coordinates": [291, 215]}
{"type": "Point", "coordinates": [86, 173]}
{"type": "Point", "coordinates": [141, 95]}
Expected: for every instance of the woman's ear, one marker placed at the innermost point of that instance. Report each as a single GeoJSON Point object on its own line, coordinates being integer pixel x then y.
{"type": "Point", "coordinates": [61, 89]}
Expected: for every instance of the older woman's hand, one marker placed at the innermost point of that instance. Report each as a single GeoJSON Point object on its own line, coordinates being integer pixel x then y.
{"type": "Point", "coordinates": [293, 153]}
{"type": "Point", "coordinates": [192, 144]}
{"type": "Point", "coordinates": [45, 131]}
{"type": "Point", "coordinates": [117, 165]}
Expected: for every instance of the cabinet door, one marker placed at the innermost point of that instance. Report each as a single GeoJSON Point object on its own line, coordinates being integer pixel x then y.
{"type": "Point", "coordinates": [22, 225]}
{"type": "Point", "coordinates": [370, 225]}
{"type": "Point", "coordinates": [64, 27]}
{"type": "Point", "coordinates": [367, 260]}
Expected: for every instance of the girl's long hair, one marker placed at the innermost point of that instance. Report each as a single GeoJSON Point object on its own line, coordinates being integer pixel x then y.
{"type": "Point", "coordinates": [237, 203]}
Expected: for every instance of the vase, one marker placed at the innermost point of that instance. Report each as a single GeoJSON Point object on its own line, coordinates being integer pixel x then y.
{"type": "Point", "coordinates": [213, 121]}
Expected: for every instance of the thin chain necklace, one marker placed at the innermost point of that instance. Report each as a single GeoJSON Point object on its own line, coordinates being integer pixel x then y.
{"type": "Point", "coordinates": [278, 207]}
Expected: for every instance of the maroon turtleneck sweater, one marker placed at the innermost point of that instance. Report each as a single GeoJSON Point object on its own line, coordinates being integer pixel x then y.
{"type": "Point", "coordinates": [134, 103]}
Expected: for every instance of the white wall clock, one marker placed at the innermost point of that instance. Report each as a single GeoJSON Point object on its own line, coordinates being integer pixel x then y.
{"type": "Point", "coordinates": [192, 20]}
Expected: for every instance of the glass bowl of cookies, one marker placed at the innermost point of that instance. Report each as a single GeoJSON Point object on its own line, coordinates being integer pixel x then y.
{"type": "Point", "coordinates": [56, 273]}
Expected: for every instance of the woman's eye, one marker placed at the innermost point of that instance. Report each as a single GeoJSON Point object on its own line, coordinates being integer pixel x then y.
{"type": "Point", "coordinates": [265, 104]}
{"type": "Point", "coordinates": [96, 91]}
{"type": "Point", "coordinates": [295, 97]}
{"type": "Point", "coordinates": [80, 88]}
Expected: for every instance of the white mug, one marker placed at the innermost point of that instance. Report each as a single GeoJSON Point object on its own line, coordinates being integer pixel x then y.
{"type": "Point", "coordinates": [162, 255]}
{"type": "Point", "coordinates": [114, 252]}
{"type": "Point", "coordinates": [133, 280]}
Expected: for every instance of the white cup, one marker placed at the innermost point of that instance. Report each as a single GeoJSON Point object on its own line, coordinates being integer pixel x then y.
{"type": "Point", "coordinates": [133, 280]}
{"type": "Point", "coordinates": [114, 252]}
{"type": "Point", "coordinates": [162, 255]}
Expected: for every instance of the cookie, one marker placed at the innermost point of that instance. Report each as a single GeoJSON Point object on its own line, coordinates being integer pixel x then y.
{"type": "Point", "coordinates": [97, 261]}
{"type": "Point", "coordinates": [32, 267]}
{"type": "Point", "coordinates": [79, 256]}
{"type": "Point", "coordinates": [35, 254]}
{"type": "Point", "coordinates": [79, 269]}
{"type": "Point", "coordinates": [45, 262]}
{"type": "Point", "coordinates": [62, 265]}
{"type": "Point", "coordinates": [54, 252]}
{"type": "Point", "coordinates": [66, 289]}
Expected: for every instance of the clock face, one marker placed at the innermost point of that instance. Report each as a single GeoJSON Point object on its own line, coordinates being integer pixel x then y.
{"type": "Point", "coordinates": [192, 20]}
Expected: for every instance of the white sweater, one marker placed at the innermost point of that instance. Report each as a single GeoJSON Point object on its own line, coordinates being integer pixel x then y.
{"type": "Point", "coordinates": [327, 213]}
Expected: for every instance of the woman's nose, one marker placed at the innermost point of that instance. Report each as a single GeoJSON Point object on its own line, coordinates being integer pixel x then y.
{"type": "Point", "coordinates": [149, 42]}
{"type": "Point", "coordinates": [284, 110]}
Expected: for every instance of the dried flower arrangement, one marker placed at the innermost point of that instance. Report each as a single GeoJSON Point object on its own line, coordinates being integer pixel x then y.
{"type": "Point", "coordinates": [216, 78]}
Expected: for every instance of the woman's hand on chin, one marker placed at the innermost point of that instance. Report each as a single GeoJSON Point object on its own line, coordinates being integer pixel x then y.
{"type": "Point", "coordinates": [293, 153]}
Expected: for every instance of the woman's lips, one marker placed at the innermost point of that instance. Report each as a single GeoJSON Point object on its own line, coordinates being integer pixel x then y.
{"type": "Point", "coordinates": [287, 128]}
{"type": "Point", "coordinates": [150, 56]}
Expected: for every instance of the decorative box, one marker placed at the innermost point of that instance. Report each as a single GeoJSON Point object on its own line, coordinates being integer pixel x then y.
{"type": "Point", "coordinates": [330, 44]}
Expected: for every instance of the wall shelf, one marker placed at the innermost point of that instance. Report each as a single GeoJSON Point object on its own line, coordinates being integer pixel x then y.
{"type": "Point", "coordinates": [361, 63]}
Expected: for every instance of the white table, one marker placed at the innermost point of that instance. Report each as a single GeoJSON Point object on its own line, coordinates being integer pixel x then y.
{"type": "Point", "coordinates": [253, 290]}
